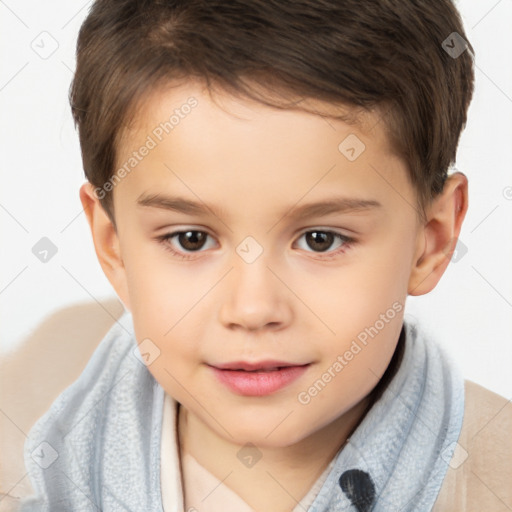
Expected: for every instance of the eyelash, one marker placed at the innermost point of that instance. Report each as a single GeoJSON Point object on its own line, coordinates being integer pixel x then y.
{"type": "Point", "coordinates": [348, 242]}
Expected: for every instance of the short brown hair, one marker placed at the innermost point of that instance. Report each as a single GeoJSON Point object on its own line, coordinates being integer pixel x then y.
{"type": "Point", "coordinates": [373, 54]}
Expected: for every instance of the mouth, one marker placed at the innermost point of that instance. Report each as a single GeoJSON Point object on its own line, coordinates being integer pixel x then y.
{"type": "Point", "coordinates": [261, 366]}
{"type": "Point", "coordinates": [260, 378]}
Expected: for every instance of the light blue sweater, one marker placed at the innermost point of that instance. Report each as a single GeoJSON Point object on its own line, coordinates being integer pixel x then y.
{"type": "Point", "coordinates": [98, 446]}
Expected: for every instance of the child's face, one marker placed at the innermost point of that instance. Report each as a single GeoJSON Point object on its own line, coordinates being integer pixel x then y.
{"type": "Point", "coordinates": [258, 288]}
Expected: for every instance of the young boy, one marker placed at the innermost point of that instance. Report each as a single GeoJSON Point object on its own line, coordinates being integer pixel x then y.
{"type": "Point", "coordinates": [267, 183]}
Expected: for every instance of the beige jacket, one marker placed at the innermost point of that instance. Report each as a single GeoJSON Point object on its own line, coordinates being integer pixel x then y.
{"type": "Point", "coordinates": [479, 478]}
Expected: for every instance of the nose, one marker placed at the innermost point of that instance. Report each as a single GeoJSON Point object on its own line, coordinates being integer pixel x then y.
{"type": "Point", "coordinates": [254, 299]}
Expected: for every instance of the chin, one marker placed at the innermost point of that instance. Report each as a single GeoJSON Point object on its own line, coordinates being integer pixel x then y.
{"type": "Point", "coordinates": [265, 435]}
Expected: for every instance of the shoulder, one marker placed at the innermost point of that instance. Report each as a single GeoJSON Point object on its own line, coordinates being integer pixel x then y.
{"type": "Point", "coordinates": [480, 471]}
{"type": "Point", "coordinates": [33, 376]}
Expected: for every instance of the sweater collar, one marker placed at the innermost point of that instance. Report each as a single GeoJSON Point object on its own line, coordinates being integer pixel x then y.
{"type": "Point", "coordinates": [104, 433]}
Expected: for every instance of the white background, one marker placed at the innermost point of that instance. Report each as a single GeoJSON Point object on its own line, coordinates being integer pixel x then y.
{"type": "Point", "coordinates": [471, 309]}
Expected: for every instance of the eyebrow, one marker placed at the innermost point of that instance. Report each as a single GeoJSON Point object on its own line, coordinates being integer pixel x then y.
{"type": "Point", "coordinates": [318, 209]}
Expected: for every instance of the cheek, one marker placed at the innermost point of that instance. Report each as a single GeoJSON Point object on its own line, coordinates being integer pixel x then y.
{"type": "Point", "coordinates": [160, 293]}
{"type": "Point", "coordinates": [166, 299]}
{"type": "Point", "coordinates": [348, 301]}
{"type": "Point", "coordinates": [364, 308]}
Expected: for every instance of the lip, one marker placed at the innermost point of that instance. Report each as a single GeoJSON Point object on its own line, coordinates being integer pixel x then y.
{"type": "Point", "coordinates": [258, 379]}
{"type": "Point", "coordinates": [260, 365]}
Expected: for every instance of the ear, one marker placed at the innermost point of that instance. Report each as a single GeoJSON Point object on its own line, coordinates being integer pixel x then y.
{"type": "Point", "coordinates": [438, 237]}
{"type": "Point", "coordinates": [106, 242]}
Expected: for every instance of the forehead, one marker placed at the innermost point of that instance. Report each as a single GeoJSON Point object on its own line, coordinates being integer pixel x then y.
{"type": "Point", "coordinates": [226, 146]}
{"type": "Point", "coordinates": [158, 107]}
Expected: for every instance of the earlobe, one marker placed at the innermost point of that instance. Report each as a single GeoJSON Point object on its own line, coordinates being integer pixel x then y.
{"type": "Point", "coordinates": [106, 242]}
{"type": "Point", "coordinates": [439, 235]}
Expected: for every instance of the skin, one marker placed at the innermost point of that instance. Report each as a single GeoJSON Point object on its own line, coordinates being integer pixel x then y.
{"type": "Point", "coordinates": [294, 303]}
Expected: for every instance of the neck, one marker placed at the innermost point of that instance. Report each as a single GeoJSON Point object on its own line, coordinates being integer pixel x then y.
{"type": "Point", "coordinates": [283, 475]}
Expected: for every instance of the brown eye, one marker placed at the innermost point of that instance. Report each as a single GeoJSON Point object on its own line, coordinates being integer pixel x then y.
{"type": "Point", "coordinates": [187, 245]}
{"type": "Point", "coordinates": [324, 241]}
{"type": "Point", "coordinates": [192, 240]}
{"type": "Point", "coordinates": [319, 241]}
